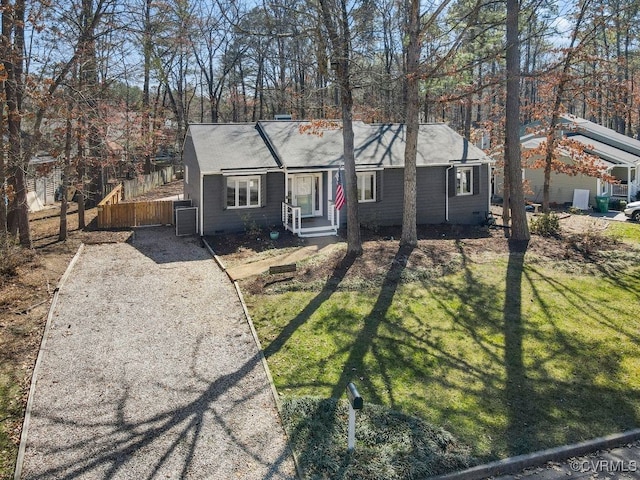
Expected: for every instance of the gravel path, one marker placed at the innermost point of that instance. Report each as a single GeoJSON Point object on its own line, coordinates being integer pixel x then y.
{"type": "Point", "coordinates": [150, 371]}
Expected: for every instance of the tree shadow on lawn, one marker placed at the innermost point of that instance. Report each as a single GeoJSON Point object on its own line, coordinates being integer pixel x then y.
{"type": "Point", "coordinates": [550, 387]}
{"type": "Point", "coordinates": [329, 288]}
{"type": "Point", "coordinates": [546, 406]}
{"type": "Point", "coordinates": [361, 345]}
{"type": "Point", "coordinates": [531, 386]}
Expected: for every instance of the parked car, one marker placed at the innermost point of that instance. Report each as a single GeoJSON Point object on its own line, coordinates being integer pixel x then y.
{"type": "Point", "coordinates": [633, 211]}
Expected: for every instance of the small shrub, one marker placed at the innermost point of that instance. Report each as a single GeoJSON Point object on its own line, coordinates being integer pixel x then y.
{"type": "Point", "coordinates": [614, 204]}
{"type": "Point", "coordinates": [591, 241]}
{"type": "Point", "coordinates": [546, 225]}
{"type": "Point", "coordinates": [12, 255]}
{"type": "Point", "coordinates": [251, 226]}
{"type": "Point", "coordinates": [371, 223]}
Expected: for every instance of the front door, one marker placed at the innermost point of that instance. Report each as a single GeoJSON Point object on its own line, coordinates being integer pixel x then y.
{"type": "Point", "coordinates": [306, 190]}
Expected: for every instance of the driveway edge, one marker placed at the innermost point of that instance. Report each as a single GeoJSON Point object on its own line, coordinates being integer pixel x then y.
{"type": "Point", "coordinates": [34, 377]}
{"type": "Point", "coordinates": [521, 462]}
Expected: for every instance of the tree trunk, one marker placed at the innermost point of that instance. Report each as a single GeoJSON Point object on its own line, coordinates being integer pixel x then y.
{"type": "Point", "coordinates": [513, 167]}
{"type": "Point", "coordinates": [66, 172]}
{"type": "Point", "coordinates": [147, 48]}
{"type": "Point", "coordinates": [341, 51]}
{"type": "Point", "coordinates": [3, 159]}
{"type": "Point", "coordinates": [13, 28]}
{"type": "Point", "coordinates": [552, 140]}
{"type": "Point", "coordinates": [409, 235]}
{"type": "Point", "coordinates": [354, 242]}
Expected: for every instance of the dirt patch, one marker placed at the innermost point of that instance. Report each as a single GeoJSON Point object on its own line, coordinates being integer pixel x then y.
{"type": "Point", "coordinates": [582, 245]}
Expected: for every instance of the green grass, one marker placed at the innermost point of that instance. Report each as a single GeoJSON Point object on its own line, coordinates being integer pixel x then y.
{"type": "Point", "coordinates": [626, 231]}
{"type": "Point", "coordinates": [509, 356]}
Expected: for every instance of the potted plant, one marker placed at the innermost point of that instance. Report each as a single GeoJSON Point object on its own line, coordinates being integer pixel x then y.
{"type": "Point", "coordinates": [274, 234]}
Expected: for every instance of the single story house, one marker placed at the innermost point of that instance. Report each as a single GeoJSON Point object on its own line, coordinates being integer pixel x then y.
{"type": "Point", "coordinates": [274, 174]}
{"type": "Point", "coordinates": [618, 153]}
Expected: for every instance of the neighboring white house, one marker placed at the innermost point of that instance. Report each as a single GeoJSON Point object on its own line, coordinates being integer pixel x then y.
{"type": "Point", "coordinates": [43, 178]}
{"type": "Point", "coordinates": [618, 153]}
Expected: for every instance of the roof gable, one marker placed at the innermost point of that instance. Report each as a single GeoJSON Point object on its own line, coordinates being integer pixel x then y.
{"type": "Point", "coordinates": [604, 136]}
{"type": "Point", "coordinates": [221, 147]}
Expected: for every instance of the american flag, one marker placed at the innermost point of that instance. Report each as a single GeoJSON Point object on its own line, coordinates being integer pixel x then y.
{"type": "Point", "coordinates": [339, 192]}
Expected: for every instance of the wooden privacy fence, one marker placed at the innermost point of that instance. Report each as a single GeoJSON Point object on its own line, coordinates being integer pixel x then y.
{"type": "Point", "coordinates": [113, 214]}
{"type": "Point", "coordinates": [145, 183]}
{"type": "Point", "coordinates": [138, 214]}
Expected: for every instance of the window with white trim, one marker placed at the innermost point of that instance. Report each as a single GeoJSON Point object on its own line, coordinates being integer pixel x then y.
{"type": "Point", "coordinates": [366, 186]}
{"type": "Point", "coordinates": [464, 181]}
{"type": "Point", "coordinates": [243, 192]}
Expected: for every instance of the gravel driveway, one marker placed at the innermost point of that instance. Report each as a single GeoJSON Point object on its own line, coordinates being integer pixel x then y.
{"type": "Point", "coordinates": [150, 370]}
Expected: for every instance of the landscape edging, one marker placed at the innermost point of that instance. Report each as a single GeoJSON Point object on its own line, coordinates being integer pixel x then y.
{"type": "Point", "coordinates": [34, 377]}
{"type": "Point", "coordinates": [521, 462]}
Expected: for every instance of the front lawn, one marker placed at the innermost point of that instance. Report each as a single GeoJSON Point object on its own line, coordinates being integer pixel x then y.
{"type": "Point", "coordinates": [511, 353]}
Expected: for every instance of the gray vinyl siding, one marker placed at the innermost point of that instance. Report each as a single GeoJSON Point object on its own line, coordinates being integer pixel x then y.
{"type": "Point", "coordinates": [191, 182]}
{"type": "Point", "coordinates": [217, 219]}
{"type": "Point", "coordinates": [387, 210]}
{"type": "Point", "coordinates": [431, 195]}
{"type": "Point", "coordinates": [472, 209]}
{"type": "Point", "coordinates": [431, 199]}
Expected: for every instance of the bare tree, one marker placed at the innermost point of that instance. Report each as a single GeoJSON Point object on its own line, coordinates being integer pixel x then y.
{"type": "Point", "coordinates": [13, 21]}
{"type": "Point", "coordinates": [336, 21]}
{"type": "Point", "coordinates": [415, 70]}
{"type": "Point", "coordinates": [513, 168]}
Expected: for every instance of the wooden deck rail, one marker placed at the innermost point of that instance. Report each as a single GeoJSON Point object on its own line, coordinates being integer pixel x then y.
{"type": "Point", "coordinates": [113, 197]}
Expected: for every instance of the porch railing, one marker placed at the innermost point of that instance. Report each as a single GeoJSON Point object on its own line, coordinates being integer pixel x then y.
{"type": "Point", "coordinates": [291, 218]}
{"type": "Point", "coordinates": [619, 189]}
{"type": "Point", "coordinates": [333, 214]}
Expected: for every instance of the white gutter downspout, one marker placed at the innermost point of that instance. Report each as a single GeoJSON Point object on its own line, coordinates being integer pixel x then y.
{"type": "Point", "coordinates": [201, 204]}
{"type": "Point", "coordinates": [446, 197]}
{"type": "Point", "coordinates": [491, 177]}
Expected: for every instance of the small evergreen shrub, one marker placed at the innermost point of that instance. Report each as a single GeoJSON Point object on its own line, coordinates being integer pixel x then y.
{"type": "Point", "coordinates": [545, 225]}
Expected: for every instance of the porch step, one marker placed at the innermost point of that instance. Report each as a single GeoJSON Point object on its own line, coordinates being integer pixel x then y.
{"type": "Point", "coordinates": [318, 232]}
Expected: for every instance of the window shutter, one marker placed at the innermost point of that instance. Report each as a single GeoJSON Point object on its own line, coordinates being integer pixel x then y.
{"type": "Point", "coordinates": [379, 185]}
{"type": "Point", "coordinates": [476, 180]}
{"type": "Point", "coordinates": [263, 190]}
{"type": "Point", "coordinates": [452, 181]}
{"type": "Point", "coordinates": [223, 192]}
